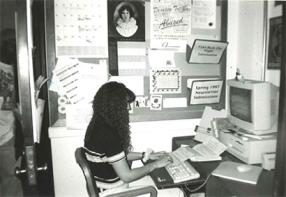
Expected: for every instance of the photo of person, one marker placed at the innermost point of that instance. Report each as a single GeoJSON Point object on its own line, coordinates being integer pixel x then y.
{"type": "Point", "coordinates": [126, 20]}
{"type": "Point", "coordinates": [126, 23]}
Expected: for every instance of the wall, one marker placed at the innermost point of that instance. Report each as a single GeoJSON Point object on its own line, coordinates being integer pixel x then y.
{"type": "Point", "coordinates": [246, 40]}
{"type": "Point", "coordinates": [245, 27]}
{"type": "Point", "coordinates": [158, 134]}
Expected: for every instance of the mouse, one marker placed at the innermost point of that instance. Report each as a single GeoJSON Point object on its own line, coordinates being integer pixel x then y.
{"type": "Point", "coordinates": [243, 168]}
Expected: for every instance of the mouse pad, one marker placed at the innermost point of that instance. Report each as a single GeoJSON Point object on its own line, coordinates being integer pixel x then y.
{"type": "Point", "coordinates": [238, 172]}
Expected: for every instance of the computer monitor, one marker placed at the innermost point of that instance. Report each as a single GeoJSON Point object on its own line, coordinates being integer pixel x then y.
{"type": "Point", "coordinates": [253, 105]}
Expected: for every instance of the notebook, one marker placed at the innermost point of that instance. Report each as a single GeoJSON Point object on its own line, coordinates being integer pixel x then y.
{"type": "Point", "coordinates": [238, 172]}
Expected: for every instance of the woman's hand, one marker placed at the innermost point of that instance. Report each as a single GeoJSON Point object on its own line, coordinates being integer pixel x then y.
{"type": "Point", "coordinates": [157, 155]}
{"type": "Point", "coordinates": [163, 161]}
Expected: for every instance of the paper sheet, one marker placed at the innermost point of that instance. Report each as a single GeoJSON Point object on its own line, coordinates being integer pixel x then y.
{"type": "Point", "coordinates": [134, 83]}
{"type": "Point", "coordinates": [131, 58]}
{"type": "Point", "coordinates": [170, 23]}
{"type": "Point", "coordinates": [67, 74]}
{"type": "Point", "coordinates": [204, 14]}
{"type": "Point", "coordinates": [209, 114]}
{"type": "Point", "coordinates": [92, 77]}
{"type": "Point", "coordinates": [166, 58]}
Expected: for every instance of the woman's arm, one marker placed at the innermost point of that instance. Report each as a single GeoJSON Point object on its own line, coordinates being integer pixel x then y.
{"type": "Point", "coordinates": [132, 156]}
{"type": "Point", "coordinates": [128, 175]}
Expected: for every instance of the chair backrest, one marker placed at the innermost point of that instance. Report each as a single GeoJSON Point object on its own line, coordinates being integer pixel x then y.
{"type": "Point", "coordinates": [91, 186]}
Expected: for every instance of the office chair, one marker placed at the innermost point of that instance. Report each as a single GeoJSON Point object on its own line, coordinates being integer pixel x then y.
{"type": "Point", "coordinates": [92, 188]}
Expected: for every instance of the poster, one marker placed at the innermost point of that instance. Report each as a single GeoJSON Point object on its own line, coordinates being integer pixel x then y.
{"type": "Point", "coordinates": [170, 23]}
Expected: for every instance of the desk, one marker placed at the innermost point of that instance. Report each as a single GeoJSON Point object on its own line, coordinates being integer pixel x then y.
{"type": "Point", "coordinates": [222, 187]}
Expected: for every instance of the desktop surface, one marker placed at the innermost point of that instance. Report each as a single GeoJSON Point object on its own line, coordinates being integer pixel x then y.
{"type": "Point", "coordinates": [217, 186]}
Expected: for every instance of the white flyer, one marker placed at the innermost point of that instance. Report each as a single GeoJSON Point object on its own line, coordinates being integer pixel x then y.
{"type": "Point", "coordinates": [170, 23]}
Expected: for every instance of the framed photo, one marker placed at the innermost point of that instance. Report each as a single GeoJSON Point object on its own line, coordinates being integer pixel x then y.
{"type": "Point", "coordinates": [126, 20]}
{"type": "Point", "coordinates": [274, 44]}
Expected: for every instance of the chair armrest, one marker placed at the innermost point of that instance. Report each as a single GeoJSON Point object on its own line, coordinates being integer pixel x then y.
{"type": "Point", "coordinates": [135, 191]}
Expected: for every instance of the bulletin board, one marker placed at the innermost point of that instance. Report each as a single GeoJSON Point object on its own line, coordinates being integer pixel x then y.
{"type": "Point", "coordinates": [164, 91]}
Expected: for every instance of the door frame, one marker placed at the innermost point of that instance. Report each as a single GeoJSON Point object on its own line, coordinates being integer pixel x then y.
{"type": "Point", "coordinates": [280, 164]}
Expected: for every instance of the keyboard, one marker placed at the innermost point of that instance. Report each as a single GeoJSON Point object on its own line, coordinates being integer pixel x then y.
{"type": "Point", "coordinates": [181, 170]}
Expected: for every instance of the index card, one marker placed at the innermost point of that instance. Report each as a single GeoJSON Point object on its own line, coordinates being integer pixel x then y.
{"type": "Point", "coordinates": [174, 102]}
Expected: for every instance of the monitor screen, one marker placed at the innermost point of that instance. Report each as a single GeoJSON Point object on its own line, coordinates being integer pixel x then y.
{"type": "Point", "coordinates": [240, 103]}
{"type": "Point", "coordinates": [253, 105]}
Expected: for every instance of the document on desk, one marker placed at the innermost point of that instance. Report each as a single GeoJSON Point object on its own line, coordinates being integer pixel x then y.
{"type": "Point", "coordinates": [209, 150]}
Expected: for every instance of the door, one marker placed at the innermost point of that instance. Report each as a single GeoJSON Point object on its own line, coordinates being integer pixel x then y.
{"type": "Point", "coordinates": [26, 17]}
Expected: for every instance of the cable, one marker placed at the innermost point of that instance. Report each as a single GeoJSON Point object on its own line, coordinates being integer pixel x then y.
{"type": "Point", "coordinates": [199, 187]}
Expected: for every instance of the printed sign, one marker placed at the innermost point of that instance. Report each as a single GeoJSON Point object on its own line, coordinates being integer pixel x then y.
{"type": "Point", "coordinates": [207, 51]}
{"type": "Point", "coordinates": [206, 92]}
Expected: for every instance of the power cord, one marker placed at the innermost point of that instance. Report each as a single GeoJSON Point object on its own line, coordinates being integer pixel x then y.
{"type": "Point", "coordinates": [199, 187]}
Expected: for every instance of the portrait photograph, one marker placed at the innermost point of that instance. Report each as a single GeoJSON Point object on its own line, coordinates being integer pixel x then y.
{"type": "Point", "coordinates": [126, 20]}
{"type": "Point", "coordinates": [275, 47]}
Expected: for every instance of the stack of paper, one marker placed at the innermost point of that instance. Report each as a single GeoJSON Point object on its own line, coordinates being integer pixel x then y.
{"type": "Point", "coordinates": [209, 150]}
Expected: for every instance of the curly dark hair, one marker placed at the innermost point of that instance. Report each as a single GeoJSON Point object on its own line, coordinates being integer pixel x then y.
{"type": "Point", "coordinates": [110, 104]}
{"type": "Point", "coordinates": [126, 7]}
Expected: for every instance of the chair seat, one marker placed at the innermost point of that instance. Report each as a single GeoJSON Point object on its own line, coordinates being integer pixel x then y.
{"type": "Point", "coordinates": [94, 191]}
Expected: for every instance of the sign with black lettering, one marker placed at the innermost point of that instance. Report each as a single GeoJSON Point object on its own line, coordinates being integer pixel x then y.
{"type": "Point", "coordinates": [207, 51]}
{"type": "Point", "coordinates": [206, 92]}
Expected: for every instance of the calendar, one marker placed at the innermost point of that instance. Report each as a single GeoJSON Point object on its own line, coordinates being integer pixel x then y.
{"type": "Point", "coordinates": [81, 28]}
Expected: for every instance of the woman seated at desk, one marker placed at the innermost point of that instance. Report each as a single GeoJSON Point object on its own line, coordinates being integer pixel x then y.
{"type": "Point", "coordinates": [107, 142]}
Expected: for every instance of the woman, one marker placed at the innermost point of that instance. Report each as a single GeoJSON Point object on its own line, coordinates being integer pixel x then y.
{"type": "Point", "coordinates": [107, 142]}
{"type": "Point", "coordinates": [126, 24]}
